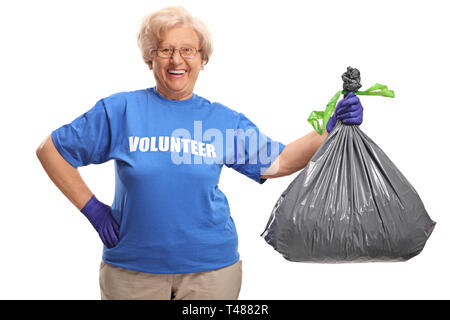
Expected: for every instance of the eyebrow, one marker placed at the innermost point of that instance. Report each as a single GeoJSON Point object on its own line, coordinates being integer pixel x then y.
{"type": "Point", "coordinates": [183, 45]}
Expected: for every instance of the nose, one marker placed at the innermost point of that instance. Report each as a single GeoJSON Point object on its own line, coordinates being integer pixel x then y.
{"type": "Point", "coordinates": [176, 56]}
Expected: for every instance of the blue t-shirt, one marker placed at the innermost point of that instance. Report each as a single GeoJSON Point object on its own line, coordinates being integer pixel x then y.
{"type": "Point", "coordinates": [168, 157]}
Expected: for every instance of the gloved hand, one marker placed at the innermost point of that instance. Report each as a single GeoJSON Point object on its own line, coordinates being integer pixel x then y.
{"type": "Point", "coordinates": [99, 215]}
{"type": "Point", "coordinates": [349, 110]}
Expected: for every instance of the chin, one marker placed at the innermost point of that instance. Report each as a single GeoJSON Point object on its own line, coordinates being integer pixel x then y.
{"type": "Point", "coordinates": [177, 88]}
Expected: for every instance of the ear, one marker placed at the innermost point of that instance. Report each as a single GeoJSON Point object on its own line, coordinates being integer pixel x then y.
{"type": "Point", "coordinates": [150, 66]}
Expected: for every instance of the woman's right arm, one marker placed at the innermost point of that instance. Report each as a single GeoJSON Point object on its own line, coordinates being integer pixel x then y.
{"type": "Point", "coordinates": [63, 175]}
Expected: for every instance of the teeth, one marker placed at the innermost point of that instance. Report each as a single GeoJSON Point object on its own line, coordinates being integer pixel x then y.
{"type": "Point", "coordinates": [177, 71]}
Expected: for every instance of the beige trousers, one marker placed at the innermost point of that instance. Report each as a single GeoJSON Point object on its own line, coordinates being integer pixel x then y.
{"type": "Point", "coordinates": [123, 284]}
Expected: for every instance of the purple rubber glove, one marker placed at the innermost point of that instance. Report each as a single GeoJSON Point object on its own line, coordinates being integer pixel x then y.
{"type": "Point", "coordinates": [349, 110]}
{"type": "Point", "coordinates": [99, 215]}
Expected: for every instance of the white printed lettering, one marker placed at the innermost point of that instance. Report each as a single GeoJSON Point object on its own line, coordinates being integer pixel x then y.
{"type": "Point", "coordinates": [175, 144]}
{"type": "Point", "coordinates": [185, 144]}
{"type": "Point", "coordinates": [143, 144]}
{"type": "Point", "coordinates": [133, 143]}
{"type": "Point", "coordinates": [194, 147]}
{"type": "Point", "coordinates": [210, 151]}
{"type": "Point", "coordinates": [163, 143]}
{"type": "Point", "coordinates": [201, 149]}
{"type": "Point", "coordinates": [153, 148]}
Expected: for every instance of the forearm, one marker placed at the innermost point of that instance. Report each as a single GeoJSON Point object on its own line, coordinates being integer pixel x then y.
{"type": "Point", "coordinates": [63, 175]}
{"type": "Point", "coordinates": [296, 155]}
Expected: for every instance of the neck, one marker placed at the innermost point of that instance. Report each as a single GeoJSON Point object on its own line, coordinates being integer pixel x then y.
{"type": "Point", "coordinates": [174, 95]}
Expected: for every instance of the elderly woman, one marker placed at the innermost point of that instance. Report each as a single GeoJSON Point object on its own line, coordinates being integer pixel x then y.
{"type": "Point", "coordinates": [169, 233]}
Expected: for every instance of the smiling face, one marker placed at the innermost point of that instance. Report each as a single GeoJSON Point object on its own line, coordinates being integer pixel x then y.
{"type": "Point", "coordinates": [181, 85]}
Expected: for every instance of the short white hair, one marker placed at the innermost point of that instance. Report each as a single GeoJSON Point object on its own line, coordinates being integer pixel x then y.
{"type": "Point", "coordinates": [155, 25]}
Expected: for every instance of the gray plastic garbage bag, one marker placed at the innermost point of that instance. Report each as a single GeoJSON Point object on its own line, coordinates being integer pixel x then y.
{"type": "Point", "coordinates": [349, 204]}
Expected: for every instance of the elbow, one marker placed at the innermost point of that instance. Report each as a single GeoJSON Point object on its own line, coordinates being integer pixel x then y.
{"type": "Point", "coordinates": [39, 152]}
{"type": "Point", "coordinates": [279, 168]}
{"type": "Point", "coordinates": [286, 171]}
{"type": "Point", "coordinates": [288, 166]}
{"type": "Point", "coordinates": [42, 148]}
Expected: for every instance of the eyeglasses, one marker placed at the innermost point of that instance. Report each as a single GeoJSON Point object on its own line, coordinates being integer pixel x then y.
{"type": "Point", "coordinates": [185, 52]}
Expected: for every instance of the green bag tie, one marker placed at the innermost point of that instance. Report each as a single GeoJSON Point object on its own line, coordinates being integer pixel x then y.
{"type": "Point", "coordinates": [315, 116]}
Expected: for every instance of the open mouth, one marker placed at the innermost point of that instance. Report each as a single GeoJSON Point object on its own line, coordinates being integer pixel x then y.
{"type": "Point", "coordinates": [176, 73]}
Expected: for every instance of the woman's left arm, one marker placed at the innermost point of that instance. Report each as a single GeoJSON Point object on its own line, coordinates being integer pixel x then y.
{"type": "Point", "coordinates": [295, 156]}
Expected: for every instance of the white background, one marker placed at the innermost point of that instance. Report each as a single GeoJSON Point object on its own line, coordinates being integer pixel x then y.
{"type": "Point", "coordinates": [275, 61]}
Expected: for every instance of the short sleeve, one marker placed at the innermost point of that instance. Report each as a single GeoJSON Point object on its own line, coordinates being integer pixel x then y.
{"type": "Point", "coordinates": [87, 139]}
{"type": "Point", "coordinates": [253, 152]}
